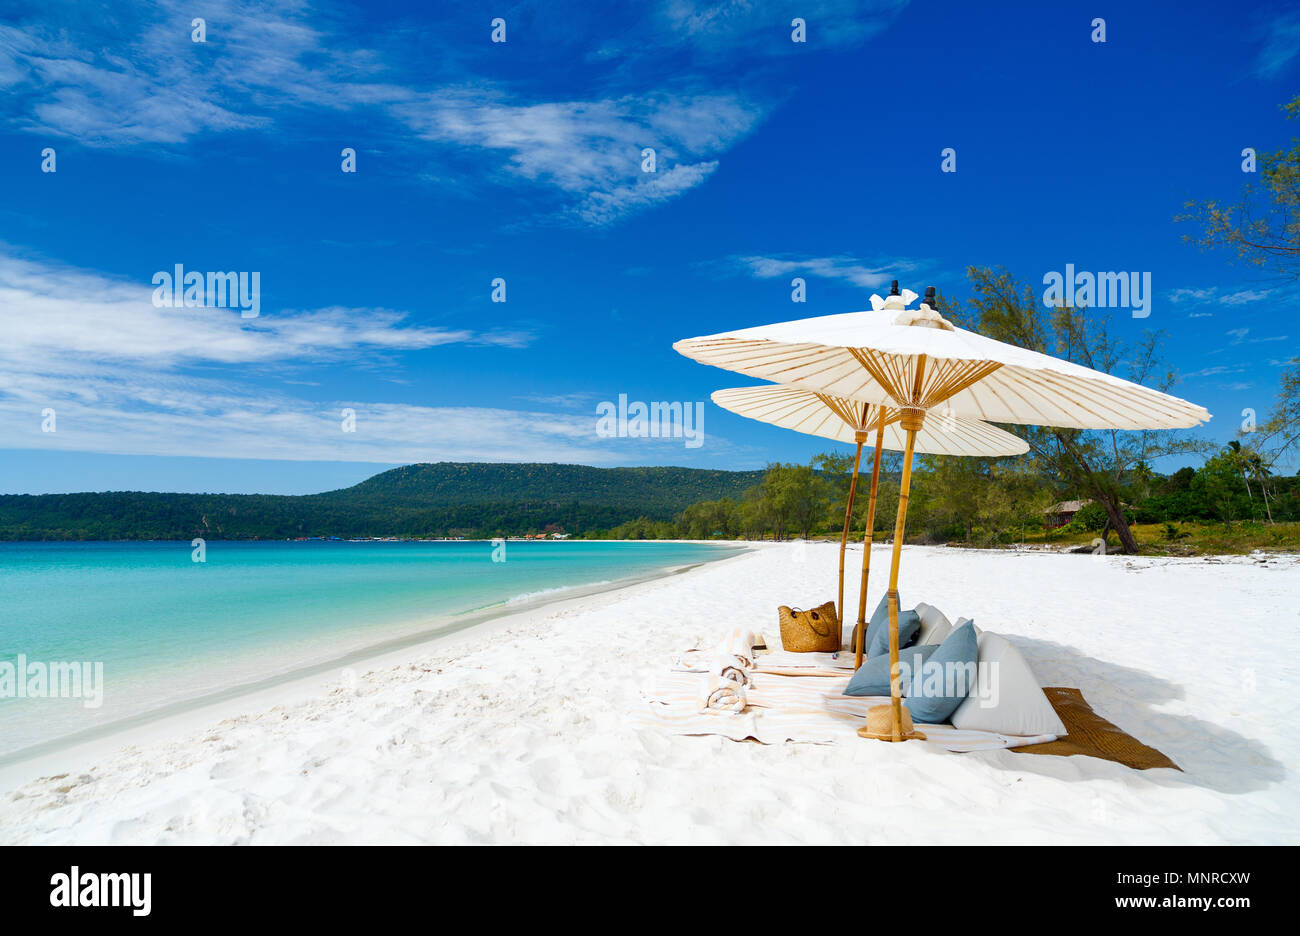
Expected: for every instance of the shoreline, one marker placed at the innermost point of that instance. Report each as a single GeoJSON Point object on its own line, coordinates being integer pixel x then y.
{"type": "Point", "coordinates": [34, 761]}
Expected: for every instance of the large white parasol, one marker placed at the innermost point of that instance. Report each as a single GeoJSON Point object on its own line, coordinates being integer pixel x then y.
{"type": "Point", "coordinates": [916, 360]}
{"type": "Point", "coordinates": [843, 420]}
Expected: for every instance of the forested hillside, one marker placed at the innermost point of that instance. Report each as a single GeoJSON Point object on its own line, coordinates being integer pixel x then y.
{"type": "Point", "coordinates": [443, 499]}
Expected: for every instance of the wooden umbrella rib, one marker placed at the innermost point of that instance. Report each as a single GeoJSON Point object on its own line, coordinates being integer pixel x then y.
{"type": "Point", "coordinates": [1010, 388]}
{"type": "Point", "coordinates": [826, 418]}
{"type": "Point", "coordinates": [867, 358]}
{"type": "Point", "coordinates": [813, 371]}
{"type": "Point", "coordinates": [1095, 405]}
{"type": "Point", "coordinates": [1104, 401]}
{"type": "Point", "coordinates": [836, 406]}
{"type": "Point", "coordinates": [1098, 408]}
{"type": "Point", "coordinates": [954, 378]}
{"type": "Point", "coordinates": [778, 355]}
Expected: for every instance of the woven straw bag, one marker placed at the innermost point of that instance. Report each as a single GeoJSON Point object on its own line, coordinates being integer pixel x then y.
{"type": "Point", "coordinates": [817, 629]}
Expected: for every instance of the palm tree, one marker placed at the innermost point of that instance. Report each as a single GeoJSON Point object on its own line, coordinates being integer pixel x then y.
{"type": "Point", "coordinates": [1261, 473]}
{"type": "Point", "coordinates": [1238, 459]}
{"type": "Point", "coordinates": [1143, 474]}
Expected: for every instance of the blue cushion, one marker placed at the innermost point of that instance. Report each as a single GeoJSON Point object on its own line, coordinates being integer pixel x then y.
{"type": "Point", "coordinates": [879, 625]}
{"type": "Point", "coordinates": [878, 617]}
{"type": "Point", "coordinates": [947, 677]}
{"type": "Point", "coordinates": [872, 678]}
{"type": "Point", "coordinates": [909, 628]}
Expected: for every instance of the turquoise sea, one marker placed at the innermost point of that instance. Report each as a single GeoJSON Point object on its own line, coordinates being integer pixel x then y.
{"type": "Point", "coordinates": [170, 631]}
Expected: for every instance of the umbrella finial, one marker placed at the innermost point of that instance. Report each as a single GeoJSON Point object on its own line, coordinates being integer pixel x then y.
{"type": "Point", "coordinates": [927, 316]}
{"type": "Point", "coordinates": [893, 290]}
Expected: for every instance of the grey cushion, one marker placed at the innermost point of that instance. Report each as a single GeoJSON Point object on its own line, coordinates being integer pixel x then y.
{"type": "Point", "coordinates": [947, 677]}
{"type": "Point", "coordinates": [872, 678]}
{"type": "Point", "coordinates": [909, 625]}
{"type": "Point", "coordinates": [878, 629]}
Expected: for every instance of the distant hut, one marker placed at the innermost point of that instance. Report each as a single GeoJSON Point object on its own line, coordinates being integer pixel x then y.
{"type": "Point", "coordinates": [1058, 515]}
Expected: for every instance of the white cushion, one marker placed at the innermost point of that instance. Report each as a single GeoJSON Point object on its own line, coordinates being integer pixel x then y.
{"type": "Point", "coordinates": [1007, 699]}
{"type": "Point", "coordinates": [966, 620]}
{"type": "Point", "coordinates": [934, 626]}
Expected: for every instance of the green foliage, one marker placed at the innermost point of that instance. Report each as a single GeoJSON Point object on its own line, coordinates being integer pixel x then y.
{"type": "Point", "coordinates": [1090, 518]}
{"type": "Point", "coordinates": [1263, 229]}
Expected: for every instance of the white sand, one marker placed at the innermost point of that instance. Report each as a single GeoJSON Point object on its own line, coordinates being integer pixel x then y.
{"type": "Point", "coordinates": [514, 731]}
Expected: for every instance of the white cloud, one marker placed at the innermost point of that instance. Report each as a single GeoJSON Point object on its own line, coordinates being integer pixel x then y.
{"type": "Point", "coordinates": [1214, 294]}
{"type": "Point", "coordinates": [1281, 45]}
{"type": "Point", "coordinates": [1214, 371]}
{"type": "Point", "coordinates": [593, 149]}
{"type": "Point", "coordinates": [1185, 295]}
{"type": "Point", "coordinates": [1243, 296]}
{"type": "Point", "coordinates": [125, 377]}
{"type": "Point", "coordinates": [173, 416]}
{"type": "Point", "coordinates": [159, 87]}
{"type": "Point", "coordinates": [138, 80]}
{"type": "Point", "coordinates": [857, 272]}
{"type": "Point", "coordinates": [566, 400]}
{"type": "Point", "coordinates": [763, 27]}
{"type": "Point", "coordinates": [66, 315]}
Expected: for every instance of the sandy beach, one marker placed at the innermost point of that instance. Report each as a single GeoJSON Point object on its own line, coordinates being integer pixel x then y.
{"type": "Point", "coordinates": [517, 730]}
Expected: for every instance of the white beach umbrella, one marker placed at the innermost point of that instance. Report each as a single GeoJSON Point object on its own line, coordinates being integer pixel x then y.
{"type": "Point", "coordinates": [844, 420]}
{"type": "Point", "coordinates": [916, 360]}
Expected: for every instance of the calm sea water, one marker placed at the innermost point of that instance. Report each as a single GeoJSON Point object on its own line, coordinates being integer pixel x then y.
{"type": "Point", "coordinates": [169, 630]}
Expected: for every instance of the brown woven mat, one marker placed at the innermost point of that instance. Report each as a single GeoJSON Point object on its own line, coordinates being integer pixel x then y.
{"type": "Point", "coordinates": [1088, 733]}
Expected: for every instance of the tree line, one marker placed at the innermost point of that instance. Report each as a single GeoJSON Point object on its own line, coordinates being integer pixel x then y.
{"type": "Point", "coordinates": [978, 501]}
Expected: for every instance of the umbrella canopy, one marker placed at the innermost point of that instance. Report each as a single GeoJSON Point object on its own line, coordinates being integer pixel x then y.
{"type": "Point", "coordinates": [898, 356]}
{"type": "Point", "coordinates": [917, 360]}
{"type": "Point", "coordinates": [833, 417]}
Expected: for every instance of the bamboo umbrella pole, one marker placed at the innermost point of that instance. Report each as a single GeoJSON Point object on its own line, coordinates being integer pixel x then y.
{"type": "Point", "coordinates": [860, 638]}
{"type": "Point", "coordinates": [911, 422]}
{"type": "Point", "coordinates": [848, 517]}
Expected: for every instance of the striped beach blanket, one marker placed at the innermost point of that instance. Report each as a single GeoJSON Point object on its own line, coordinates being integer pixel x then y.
{"type": "Point", "coordinates": [808, 709]}
{"type": "Point", "coordinates": [785, 663]}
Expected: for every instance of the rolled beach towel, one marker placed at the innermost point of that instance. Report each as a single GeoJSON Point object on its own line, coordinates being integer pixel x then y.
{"type": "Point", "coordinates": [740, 643]}
{"type": "Point", "coordinates": [729, 666]}
{"type": "Point", "coordinates": [721, 695]}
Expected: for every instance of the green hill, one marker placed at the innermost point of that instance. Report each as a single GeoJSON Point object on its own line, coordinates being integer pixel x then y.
{"type": "Point", "coordinates": [443, 499]}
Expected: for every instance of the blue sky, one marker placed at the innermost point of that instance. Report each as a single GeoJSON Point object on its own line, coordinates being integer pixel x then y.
{"type": "Point", "coordinates": [523, 160]}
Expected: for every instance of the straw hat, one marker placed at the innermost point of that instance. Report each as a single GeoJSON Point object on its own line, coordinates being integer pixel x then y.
{"type": "Point", "coordinates": [879, 725]}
